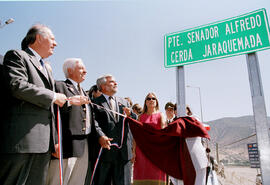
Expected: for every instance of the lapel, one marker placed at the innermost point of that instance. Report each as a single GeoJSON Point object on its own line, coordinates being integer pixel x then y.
{"type": "Point", "coordinates": [36, 63]}
{"type": "Point", "coordinates": [71, 87]}
{"type": "Point", "coordinates": [51, 80]}
{"type": "Point", "coordinates": [117, 109]}
{"type": "Point", "coordinates": [106, 105]}
{"type": "Point", "coordinates": [74, 91]}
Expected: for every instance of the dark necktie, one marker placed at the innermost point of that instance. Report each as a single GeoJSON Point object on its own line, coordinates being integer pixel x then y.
{"type": "Point", "coordinates": [43, 69]}
{"type": "Point", "coordinates": [41, 62]}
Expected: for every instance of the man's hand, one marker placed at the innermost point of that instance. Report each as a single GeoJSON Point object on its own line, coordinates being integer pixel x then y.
{"type": "Point", "coordinates": [60, 99]}
{"type": "Point", "coordinates": [127, 111]}
{"type": "Point", "coordinates": [56, 153]}
{"type": "Point", "coordinates": [79, 100]}
{"type": "Point", "coordinates": [105, 142]}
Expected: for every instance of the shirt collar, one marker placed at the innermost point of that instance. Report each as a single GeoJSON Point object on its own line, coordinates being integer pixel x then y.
{"type": "Point", "coordinates": [171, 120]}
{"type": "Point", "coordinates": [36, 54]}
{"type": "Point", "coordinates": [107, 97]}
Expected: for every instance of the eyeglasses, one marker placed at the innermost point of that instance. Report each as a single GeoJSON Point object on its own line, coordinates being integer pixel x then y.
{"type": "Point", "coordinates": [151, 98]}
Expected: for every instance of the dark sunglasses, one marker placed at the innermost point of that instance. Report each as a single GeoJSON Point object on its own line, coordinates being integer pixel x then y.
{"type": "Point", "coordinates": [150, 98]}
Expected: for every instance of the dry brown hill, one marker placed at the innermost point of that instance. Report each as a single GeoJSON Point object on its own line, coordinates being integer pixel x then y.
{"type": "Point", "coordinates": [232, 135]}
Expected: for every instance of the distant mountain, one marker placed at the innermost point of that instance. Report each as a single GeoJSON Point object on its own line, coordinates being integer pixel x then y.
{"type": "Point", "coordinates": [232, 135]}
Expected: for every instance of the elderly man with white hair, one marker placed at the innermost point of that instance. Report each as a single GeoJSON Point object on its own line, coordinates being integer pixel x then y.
{"type": "Point", "coordinates": [77, 120]}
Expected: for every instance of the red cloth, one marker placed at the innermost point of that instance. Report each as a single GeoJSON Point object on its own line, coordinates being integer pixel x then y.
{"type": "Point", "coordinates": [169, 143]}
{"type": "Point", "coordinates": [144, 171]}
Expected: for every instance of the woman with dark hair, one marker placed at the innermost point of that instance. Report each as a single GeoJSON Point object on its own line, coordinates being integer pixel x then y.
{"type": "Point", "coordinates": [144, 171]}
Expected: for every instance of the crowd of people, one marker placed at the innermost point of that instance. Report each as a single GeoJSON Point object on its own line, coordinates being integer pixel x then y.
{"type": "Point", "coordinates": [97, 148]}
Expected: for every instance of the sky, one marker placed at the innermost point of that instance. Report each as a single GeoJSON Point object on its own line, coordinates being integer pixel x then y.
{"type": "Point", "coordinates": [125, 38]}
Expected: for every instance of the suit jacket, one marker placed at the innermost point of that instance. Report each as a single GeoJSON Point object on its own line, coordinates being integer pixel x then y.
{"type": "Point", "coordinates": [3, 93]}
{"type": "Point", "coordinates": [112, 127]}
{"type": "Point", "coordinates": [28, 124]}
{"type": "Point", "coordinates": [73, 122]}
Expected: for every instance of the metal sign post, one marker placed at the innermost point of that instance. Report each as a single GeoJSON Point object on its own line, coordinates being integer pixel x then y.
{"type": "Point", "coordinates": [260, 116]}
{"type": "Point", "coordinates": [244, 34]}
{"type": "Point", "coordinates": [180, 91]}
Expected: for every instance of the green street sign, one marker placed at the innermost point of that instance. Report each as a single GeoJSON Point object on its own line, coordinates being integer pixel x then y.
{"type": "Point", "coordinates": [235, 36]}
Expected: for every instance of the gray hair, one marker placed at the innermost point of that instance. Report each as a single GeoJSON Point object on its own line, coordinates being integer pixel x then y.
{"type": "Point", "coordinates": [30, 37]}
{"type": "Point", "coordinates": [102, 80]}
{"type": "Point", "coordinates": [70, 63]}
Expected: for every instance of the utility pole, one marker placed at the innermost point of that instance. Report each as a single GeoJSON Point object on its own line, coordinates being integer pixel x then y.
{"type": "Point", "coordinates": [217, 153]}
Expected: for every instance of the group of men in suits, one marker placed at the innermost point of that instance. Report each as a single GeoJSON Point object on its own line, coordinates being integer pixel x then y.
{"type": "Point", "coordinates": [28, 132]}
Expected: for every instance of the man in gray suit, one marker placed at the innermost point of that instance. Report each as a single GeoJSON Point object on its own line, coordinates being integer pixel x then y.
{"type": "Point", "coordinates": [28, 133]}
{"type": "Point", "coordinates": [77, 121]}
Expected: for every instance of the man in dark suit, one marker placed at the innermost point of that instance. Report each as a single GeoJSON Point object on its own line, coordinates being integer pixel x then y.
{"type": "Point", "coordinates": [114, 166]}
{"type": "Point", "coordinates": [28, 134]}
{"type": "Point", "coordinates": [77, 119]}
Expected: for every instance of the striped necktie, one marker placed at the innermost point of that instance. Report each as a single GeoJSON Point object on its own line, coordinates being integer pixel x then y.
{"type": "Point", "coordinates": [79, 89]}
{"type": "Point", "coordinates": [112, 104]}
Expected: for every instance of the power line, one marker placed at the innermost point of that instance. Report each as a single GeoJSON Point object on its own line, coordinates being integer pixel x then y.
{"type": "Point", "coordinates": [240, 140]}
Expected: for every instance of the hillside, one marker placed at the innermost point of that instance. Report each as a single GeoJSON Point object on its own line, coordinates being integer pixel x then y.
{"type": "Point", "coordinates": [226, 132]}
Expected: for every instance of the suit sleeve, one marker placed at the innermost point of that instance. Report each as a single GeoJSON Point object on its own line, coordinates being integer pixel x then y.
{"type": "Point", "coordinates": [98, 129]}
{"type": "Point", "coordinates": [133, 115]}
{"type": "Point", "coordinates": [16, 74]}
{"type": "Point", "coordinates": [60, 88]}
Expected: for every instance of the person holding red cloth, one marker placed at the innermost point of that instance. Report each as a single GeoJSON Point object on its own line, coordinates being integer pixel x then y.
{"type": "Point", "coordinates": [168, 150]}
{"type": "Point", "coordinates": [145, 172]}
